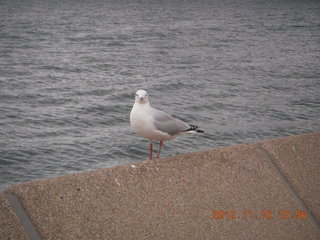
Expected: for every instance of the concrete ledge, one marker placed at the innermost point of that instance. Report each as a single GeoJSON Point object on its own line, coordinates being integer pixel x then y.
{"type": "Point", "coordinates": [176, 197]}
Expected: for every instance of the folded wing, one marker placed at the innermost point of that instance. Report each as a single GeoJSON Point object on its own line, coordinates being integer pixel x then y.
{"type": "Point", "coordinates": [168, 124]}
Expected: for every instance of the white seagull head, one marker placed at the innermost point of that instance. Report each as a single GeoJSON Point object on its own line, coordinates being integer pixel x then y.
{"type": "Point", "coordinates": [141, 97]}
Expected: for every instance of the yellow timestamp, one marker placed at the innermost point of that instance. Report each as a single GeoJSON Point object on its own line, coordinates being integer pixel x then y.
{"type": "Point", "coordinates": [258, 214]}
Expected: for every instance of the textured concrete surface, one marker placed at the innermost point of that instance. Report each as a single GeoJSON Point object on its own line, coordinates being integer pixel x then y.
{"type": "Point", "coordinates": [10, 225]}
{"type": "Point", "coordinates": [298, 158]}
{"type": "Point", "coordinates": [176, 197]}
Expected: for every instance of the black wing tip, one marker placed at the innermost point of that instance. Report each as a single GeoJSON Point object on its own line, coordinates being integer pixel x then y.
{"type": "Point", "coordinates": [194, 128]}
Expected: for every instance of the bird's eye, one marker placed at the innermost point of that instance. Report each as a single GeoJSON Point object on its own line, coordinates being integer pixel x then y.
{"type": "Point", "coordinates": [136, 95]}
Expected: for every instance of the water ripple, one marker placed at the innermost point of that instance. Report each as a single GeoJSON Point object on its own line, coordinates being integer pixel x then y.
{"type": "Point", "coordinates": [69, 71]}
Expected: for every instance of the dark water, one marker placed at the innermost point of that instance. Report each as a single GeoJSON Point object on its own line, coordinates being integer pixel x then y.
{"type": "Point", "coordinates": [242, 70]}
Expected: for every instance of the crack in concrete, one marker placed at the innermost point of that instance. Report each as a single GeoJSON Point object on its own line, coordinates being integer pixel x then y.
{"type": "Point", "coordinates": [23, 216]}
{"type": "Point", "coordinates": [288, 186]}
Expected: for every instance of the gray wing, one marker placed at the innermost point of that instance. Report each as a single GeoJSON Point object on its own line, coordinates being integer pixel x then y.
{"type": "Point", "coordinates": [166, 123]}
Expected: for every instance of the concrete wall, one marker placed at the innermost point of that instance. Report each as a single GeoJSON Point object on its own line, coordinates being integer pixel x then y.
{"type": "Point", "coordinates": [256, 186]}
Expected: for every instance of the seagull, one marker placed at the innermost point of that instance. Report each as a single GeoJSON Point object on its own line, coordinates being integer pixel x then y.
{"type": "Point", "coordinates": [156, 125]}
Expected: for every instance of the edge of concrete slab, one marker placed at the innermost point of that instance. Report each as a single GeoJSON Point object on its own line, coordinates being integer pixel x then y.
{"type": "Point", "coordinates": [10, 224]}
{"type": "Point", "coordinates": [290, 189]}
{"type": "Point", "coordinates": [22, 215]}
{"type": "Point", "coordinates": [298, 160]}
{"type": "Point", "coordinates": [186, 181]}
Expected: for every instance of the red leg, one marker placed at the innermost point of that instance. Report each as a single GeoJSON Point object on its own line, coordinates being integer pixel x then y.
{"type": "Point", "coordinates": [150, 150]}
{"type": "Point", "coordinates": [160, 146]}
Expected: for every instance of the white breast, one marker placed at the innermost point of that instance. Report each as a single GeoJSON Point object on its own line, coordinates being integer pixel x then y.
{"type": "Point", "coordinates": [142, 123]}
